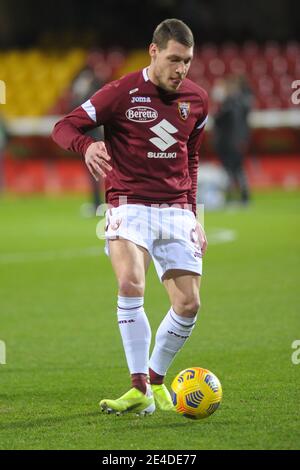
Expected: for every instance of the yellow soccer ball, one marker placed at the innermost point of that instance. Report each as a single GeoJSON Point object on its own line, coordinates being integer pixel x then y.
{"type": "Point", "coordinates": [196, 393]}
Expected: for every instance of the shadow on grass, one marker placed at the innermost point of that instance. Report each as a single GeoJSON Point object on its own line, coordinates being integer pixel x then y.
{"type": "Point", "coordinates": [122, 422]}
{"type": "Point", "coordinates": [45, 421]}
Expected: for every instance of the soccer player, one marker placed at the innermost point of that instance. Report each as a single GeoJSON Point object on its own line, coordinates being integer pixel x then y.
{"type": "Point", "coordinates": [153, 121]}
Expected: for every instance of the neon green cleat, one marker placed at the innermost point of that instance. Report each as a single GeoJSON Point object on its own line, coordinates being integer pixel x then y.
{"type": "Point", "coordinates": [132, 401]}
{"type": "Point", "coordinates": [162, 398]}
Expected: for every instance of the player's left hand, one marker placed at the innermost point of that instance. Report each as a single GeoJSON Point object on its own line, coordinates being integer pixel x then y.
{"type": "Point", "coordinates": [201, 237]}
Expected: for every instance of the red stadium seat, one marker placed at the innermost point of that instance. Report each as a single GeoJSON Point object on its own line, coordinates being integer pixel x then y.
{"type": "Point", "coordinates": [265, 85]}
{"type": "Point", "coordinates": [258, 65]}
{"type": "Point", "coordinates": [197, 70]}
{"type": "Point", "coordinates": [237, 66]}
{"type": "Point", "coordinates": [279, 65]}
{"type": "Point", "coordinates": [272, 50]}
{"type": "Point", "coordinates": [249, 50]}
{"type": "Point", "coordinates": [272, 101]}
{"type": "Point", "coordinates": [216, 67]}
{"type": "Point", "coordinates": [270, 69]}
{"type": "Point", "coordinates": [229, 51]}
{"type": "Point", "coordinates": [286, 102]}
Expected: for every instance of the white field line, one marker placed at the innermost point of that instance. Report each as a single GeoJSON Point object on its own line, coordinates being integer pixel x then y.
{"type": "Point", "coordinates": [215, 237]}
{"type": "Point", "coordinates": [221, 235]}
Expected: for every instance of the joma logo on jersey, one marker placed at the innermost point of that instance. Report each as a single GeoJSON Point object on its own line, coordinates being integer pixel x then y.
{"type": "Point", "coordinates": [140, 99]}
{"type": "Point", "coordinates": [141, 114]}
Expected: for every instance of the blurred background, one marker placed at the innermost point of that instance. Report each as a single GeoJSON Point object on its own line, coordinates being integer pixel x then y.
{"type": "Point", "coordinates": [57, 289]}
{"type": "Point", "coordinates": [52, 58]}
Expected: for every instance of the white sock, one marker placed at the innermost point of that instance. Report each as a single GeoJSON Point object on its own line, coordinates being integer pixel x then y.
{"type": "Point", "coordinates": [136, 333]}
{"type": "Point", "coordinates": [171, 335]}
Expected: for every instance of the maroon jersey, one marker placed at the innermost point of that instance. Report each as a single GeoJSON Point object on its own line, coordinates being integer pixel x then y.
{"type": "Point", "coordinates": [152, 135]}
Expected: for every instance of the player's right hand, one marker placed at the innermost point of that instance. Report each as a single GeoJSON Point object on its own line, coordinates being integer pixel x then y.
{"type": "Point", "coordinates": [96, 158]}
{"type": "Point", "coordinates": [202, 238]}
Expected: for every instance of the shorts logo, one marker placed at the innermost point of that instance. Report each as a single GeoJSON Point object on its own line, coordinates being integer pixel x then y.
{"type": "Point", "coordinates": [114, 225]}
{"type": "Point", "coordinates": [141, 114]}
{"type": "Point", "coordinates": [195, 239]}
{"type": "Point", "coordinates": [184, 110]}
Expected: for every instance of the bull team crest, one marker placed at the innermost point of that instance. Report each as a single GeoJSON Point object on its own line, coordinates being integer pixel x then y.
{"type": "Point", "coordinates": [184, 110]}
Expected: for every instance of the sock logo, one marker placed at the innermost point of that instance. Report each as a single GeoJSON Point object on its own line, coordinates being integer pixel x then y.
{"type": "Point", "coordinates": [126, 321]}
{"type": "Point", "coordinates": [177, 336]}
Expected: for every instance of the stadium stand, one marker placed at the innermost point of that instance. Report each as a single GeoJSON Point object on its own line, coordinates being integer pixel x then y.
{"type": "Point", "coordinates": [39, 90]}
{"type": "Point", "coordinates": [38, 81]}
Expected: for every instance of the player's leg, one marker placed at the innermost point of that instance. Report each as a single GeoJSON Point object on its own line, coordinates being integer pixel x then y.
{"type": "Point", "coordinates": [130, 263]}
{"type": "Point", "coordinates": [178, 262]}
{"type": "Point", "coordinates": [183, 290]}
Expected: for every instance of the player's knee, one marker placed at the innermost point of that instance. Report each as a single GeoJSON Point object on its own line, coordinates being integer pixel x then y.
{"type": "Point", "coordinates": [192, 308]}
{"type": "Point", "coordinates": [131, 288]}
{"type": "Point", "coordinates": [188, 307]}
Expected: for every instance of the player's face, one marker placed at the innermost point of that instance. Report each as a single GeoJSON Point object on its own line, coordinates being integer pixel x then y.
{"type": "Point", "coordinates": [169, 66]}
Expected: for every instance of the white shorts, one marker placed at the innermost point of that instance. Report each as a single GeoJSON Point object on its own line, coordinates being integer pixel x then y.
{"type": "Point", "coordinates": [168, 234]}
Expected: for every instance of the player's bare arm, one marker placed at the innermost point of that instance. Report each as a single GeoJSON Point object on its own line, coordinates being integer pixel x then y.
{"type": "Point", "coordinates": [96, 159]}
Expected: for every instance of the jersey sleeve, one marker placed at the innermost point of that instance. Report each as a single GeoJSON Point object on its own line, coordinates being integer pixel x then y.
{"type": "Point", "coordinates": [193, 147]}
{"type": "Point", "coordinates": [69, 132]}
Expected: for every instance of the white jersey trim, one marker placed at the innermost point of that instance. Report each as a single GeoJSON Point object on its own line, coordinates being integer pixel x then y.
{"type": "Point", "coordinates": [202, 123]}
{"type": "Point", "coordinates": [90, 110]}
{"type": "Point", "coordinates": [145, 74]}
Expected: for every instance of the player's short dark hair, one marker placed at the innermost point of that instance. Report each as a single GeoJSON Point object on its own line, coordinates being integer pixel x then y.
{"type": "Point", "coordinates": [172, 29]}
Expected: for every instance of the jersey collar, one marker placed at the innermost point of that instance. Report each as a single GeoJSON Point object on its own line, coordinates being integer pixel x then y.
{"type": "Point", "coordinates": [145, 74]}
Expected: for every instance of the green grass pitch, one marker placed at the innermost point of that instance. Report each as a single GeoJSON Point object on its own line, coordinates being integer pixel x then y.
{"type": "Point", "coordinates": [63, 350]}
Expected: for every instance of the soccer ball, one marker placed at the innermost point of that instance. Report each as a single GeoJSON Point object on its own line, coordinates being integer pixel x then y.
{"type": "Point", "coordinates": [196, 393]}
